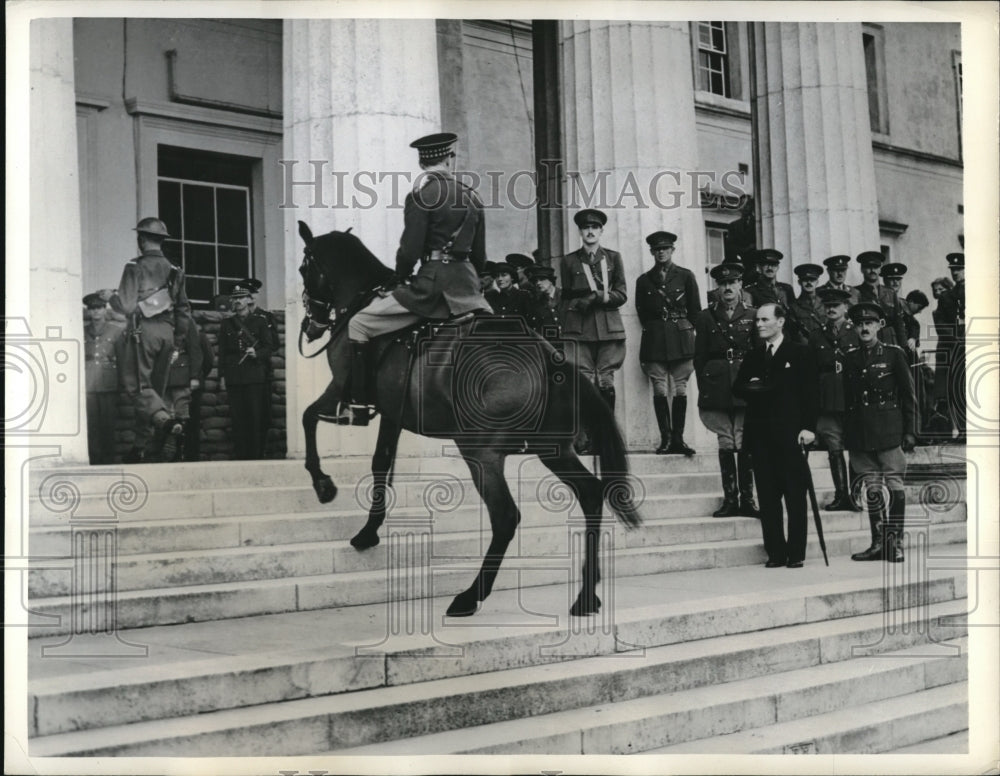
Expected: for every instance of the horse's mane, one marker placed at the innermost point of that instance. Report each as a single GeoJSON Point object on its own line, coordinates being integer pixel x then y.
{"type": "Point", "coordinates": [349, 256]}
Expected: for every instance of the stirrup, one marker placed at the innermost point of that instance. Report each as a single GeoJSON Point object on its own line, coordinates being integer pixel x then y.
{"type": "Point", "coordinates": [360, 414]}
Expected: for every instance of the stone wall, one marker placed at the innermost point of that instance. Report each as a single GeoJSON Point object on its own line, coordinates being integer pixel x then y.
{"type": "Point", "coordinates": [216, 422]}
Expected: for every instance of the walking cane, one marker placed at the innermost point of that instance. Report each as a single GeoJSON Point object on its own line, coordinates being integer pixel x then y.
{"type": "Point", "coordinates": [815, 504]}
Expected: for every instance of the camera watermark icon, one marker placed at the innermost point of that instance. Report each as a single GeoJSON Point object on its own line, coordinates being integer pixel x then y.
{"type": "Point", "coordinates": [42, 382]}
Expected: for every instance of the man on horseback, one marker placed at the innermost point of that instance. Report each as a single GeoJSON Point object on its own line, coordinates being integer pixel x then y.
{"type": "Point", "coordinates": [444, 229]}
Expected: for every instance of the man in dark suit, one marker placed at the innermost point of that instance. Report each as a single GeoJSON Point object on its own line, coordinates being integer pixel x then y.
{"type": "Point", "coordinates": [778, 380]}
{"type": "Point", "coordinates": [666, 298]}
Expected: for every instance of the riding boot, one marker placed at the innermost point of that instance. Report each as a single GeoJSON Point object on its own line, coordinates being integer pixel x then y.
{"type": "Point", "coordinates": [876, 521]}
{"type": "Point", "coordinates": [894, 533]}
{"type": "Point", "coordinates": [678, 411]}
{"type": "Point", "coordinates": [748, 507]}
{"type": "Point", "coordinates": [662, 412]}
{"type": "Point", "coordinates": [608, 394]}
{"type": "Point", "coordinates": [851, 500]}
{"type": "Point", "coordinates": [730, 500]}
{"type": "Point", "coordinates": [841, 490]}
{"type": "Point", "coordinates": [360, 402]}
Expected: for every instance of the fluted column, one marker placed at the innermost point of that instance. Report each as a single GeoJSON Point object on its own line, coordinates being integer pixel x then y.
{"type": "Point", "coordinates": [817, 176]}
{"type": "Point", "coordinates": [629, 111]}
{"type": "Point", "coordinates": [356, 93]}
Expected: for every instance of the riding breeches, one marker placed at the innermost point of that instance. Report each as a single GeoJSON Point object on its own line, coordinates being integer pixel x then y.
{"type": "Point", "coordinates": [382, 316]}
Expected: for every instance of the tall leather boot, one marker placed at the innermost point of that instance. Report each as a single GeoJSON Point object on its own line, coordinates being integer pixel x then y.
{"type": "Point", "coordinates": [841, 496]}
{"type": "Point", "coordinates": [876, 519]}
{"type": "Point", "coordinates": [662, 412]}
{"type": "Point", "coordinates": [678, 411]}
{"type": "Point", "coordinates": [851, 478]}
{"type": "Point", "coordinates": [609, 397]}
{"type": "Point", "coordinates": [894, 532]}
{"type": "Point", "coordinates": [730, 503]}
{"type": "Point", "coordinates": [748, 507]}
{"type": "Point", "coordinates": [360, 402]}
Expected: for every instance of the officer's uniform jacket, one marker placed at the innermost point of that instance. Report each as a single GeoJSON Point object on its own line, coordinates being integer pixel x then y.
{"type": "Point", "coordinates": [441, 211]}
{"type": "Point", "coordinates": [233, 343]}
{"type": "Point", "coordinates": [546, 315]}
{"type": "Point", "coordinates": [713, 297]}
{"type": "Point", "coordinates": [841, 287]}
{"type": "Point", "coordinates": [101, 356]}
{"type": "Point", "coordinates": [187, 364]}
{"type": "Point", "coordinates": [720, 346]}
{"type": "Point", "coordinates": [272, 323]}
{"type": "Point", "coordinates": [830, 345]}
{"type": "Point", "coordinates": [880, 398]}
{"type": "Point", "coordinates": [601, 321]}
{"type": "Point", "coordinates": [142, 277]}
{"type": "Point", "coordinates": [808, 314]}
{"type": "Point", "coordinates": [508, 302]}
{"type": "Point", "coordinates": [958, 294]}
{"type": "Point", "coordinates": [667, 305]}
{"type": "Point", "coordinates": [762, 292]}
{"type": "Point", "coordinates": [894, 331]}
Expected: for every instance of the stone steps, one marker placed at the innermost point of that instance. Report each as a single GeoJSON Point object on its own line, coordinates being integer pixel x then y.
{"type": "Point", "coordinates": [73, 695]}
{"type": "Point", "coordinates": [956, 743]}
{"type": "Point", "coordinates": [610, 704]}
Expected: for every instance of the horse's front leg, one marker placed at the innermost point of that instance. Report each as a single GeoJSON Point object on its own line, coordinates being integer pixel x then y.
{"type": "Point", "coordinates": [326, 404]}
{"type": "Point", "coordinates": [382, 462]}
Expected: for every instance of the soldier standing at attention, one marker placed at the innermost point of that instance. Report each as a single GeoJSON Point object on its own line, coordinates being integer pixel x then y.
{"type": "Point", "coordinates": [767, 290]}
{"type": "Point", "coordinates": [666, 298]}
{"type": "Point", "coordinates": [255, 286]}
{"type": "Point", "coordinates": [192, 430]}
{"type": "Point", "coordinates": [725, 332]}
{"type": "Point", "coordinates": [894, 330]}
{"type": "Point", "coordinates": [830, 342]}
{"type": "Point", "coordinates": [878, 427]}
{"type": "Point", "coordinates": [892, 276]}
{"type": "Point", "coordinates": [807, 310]}
{"type": "Point", "coordinates": [593, 287]}
{"type": "Point", "coordinates": [443, 229]}
{"type": "Point", "coordinates": [101, 341]}
{"type": "Point", "coordinates": [546, 311]}
{"type": "Point", "coordinates": [836, 268]}
{"type": "Point", "coordinates": [245, 345]}
{"type": "Point", "coordinates": [151, 294]}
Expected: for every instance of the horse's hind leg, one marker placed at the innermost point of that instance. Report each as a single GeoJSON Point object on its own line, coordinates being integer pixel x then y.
{"type": "Point", "coordinates": [486, 467]}
{"type": "Point", "coordinates": [382, 461]}
{"type": "Point", "coordinates": [325, 405]}
{"type": "Point", "coordinates": [588, 489]}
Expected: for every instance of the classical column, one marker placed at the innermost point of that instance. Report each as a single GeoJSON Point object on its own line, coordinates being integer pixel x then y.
{"type": "Point", "coordinates": [356, 93]}
{"type": "Point", "coordinates": [45, 396]}
{"type": "Point", "coordinates": [630, 121]}
{"type": "Point", "coordinates": [817, 177]}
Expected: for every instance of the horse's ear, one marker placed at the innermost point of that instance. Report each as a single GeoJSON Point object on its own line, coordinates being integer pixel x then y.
{"type": "Point", "coordinates": [305, 232]}
{"type": "Point", "coordinates": [349, 230]}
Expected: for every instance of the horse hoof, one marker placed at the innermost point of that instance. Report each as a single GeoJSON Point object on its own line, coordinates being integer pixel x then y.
{"type": "Point", "coordinates": [585, 605]}
{"type": "Point", "coordinates": [463, 606]}
{"type": "Point", "coordinates": [364, 540]}
{"type": "Point", "coordinates": [326, 491]}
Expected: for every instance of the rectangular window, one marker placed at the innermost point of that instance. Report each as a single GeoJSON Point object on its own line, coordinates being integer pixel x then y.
{"type": "Point", "coordinates": [956, 62]}
{"type": "Point", "coordinates": [205, 201]}
{"type": "Point", "coordinates": [713, 58]}
{"type": "Point", "coordinates": [873, 43]}
{"type": "Point", "coordinates": [715, 243]}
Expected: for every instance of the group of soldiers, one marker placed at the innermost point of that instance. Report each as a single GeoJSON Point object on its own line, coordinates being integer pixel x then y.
{"type": "Point", "coordinates": [142, 339]}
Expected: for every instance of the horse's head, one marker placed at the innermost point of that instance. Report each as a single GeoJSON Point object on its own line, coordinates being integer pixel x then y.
{"type": "Point", "coordinates": [337, 269]}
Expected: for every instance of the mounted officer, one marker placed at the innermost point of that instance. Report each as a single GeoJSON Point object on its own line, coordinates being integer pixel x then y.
{"type": "Point", "coordinates": [879, 425]}
{"type": "Point", "coordinates": [667, 301]}
{"type": "Point", "coordinates": [830, 342]}
{"type": "Point", "coordinates": [443, 229]}
{"type": "Point", "coordinates": [724, 333]}
{"type": "Point", "coordinates": [894, 330]}
{"type": "Point", "coordinates": [151, 295]}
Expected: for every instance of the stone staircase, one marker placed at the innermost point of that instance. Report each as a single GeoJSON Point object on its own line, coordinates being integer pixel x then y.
{"type": "Point", "coordinates": [243, 623]}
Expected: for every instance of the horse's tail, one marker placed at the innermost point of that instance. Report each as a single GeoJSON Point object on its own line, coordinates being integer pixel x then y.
{"type": "Point", "coordinates": [598, 420]}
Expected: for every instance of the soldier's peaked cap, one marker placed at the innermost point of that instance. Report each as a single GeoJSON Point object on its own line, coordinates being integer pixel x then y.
{"type": "Point", "coordinates": [657, 239]}
{"type": "Point", "coordinates": [95, 299]}
{"type": "Point", "coordinates": [834, 295]}
{"type": "Point", "coordinates": [769, 256]}
{"type": "Point", "coordinates": [840, 261]}
{"type": "Point", "coordinates": [590, 216]}
{"type": "Point", "coordinates": [812, 271]}
{"type": "Point", "coordinates": [871, 258]}
{"type": "Point", "coordinates": [252, 283]}
{"type": "Point", "coordinates": [238, 290]}
{"type": "Point", "coordinates": [893, 270]}
{"type": "Point", "coordinates": [727, 270]}
{"type": "Point", "coordinates": [540, 272]}
{"type": "Point", "coordinates": [956, 260]}
{"type": "Point", "coordinates": [866, 311]}
{"type": "Point", "coordinates": [434, 148]}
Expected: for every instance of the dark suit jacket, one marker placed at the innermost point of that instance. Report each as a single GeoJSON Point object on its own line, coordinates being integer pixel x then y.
{"type": "Point", "coordinates": [784, 400]}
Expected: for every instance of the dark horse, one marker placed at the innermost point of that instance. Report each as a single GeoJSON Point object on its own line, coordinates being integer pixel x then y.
{"type": "Point", "coordinates": [494, 390]}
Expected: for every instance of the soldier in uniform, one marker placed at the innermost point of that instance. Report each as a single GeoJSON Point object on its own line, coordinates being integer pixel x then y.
{"type": "Point", "coordinates": [892, 276]}
{"type": "Point", "coordinates": [830, 342]}
{"type": "Point", "coordinates": [714, 293]}
{"type": "Point", "coordinates": [943, 317]}
{"type": "Point", "coordinates": [878, 427]}
{"type": "Point", "coordinates": [546, 314]}
{"type": "Point", "coordinates": [245, 345]}
{"type": "Point", "coordinates": [923, 375]}
{"type": "Point", "coordinates": [192, 431]}
{"type": "Point", "coordinates": [667, 300]}
{"type": "Point", "coordinates": [836, 268]}
{"type": "Point", "coordinates": [272, 324]}
{"type": "Point", "coordinates": [151, 294]}
{"type": "Point", "coordinates": [723, 334]}
{"type": "Point", "coordinates": [807, 310]}
{"type": "Point", "coordinates": [508, 300]}
{"type": "Point", "coordinates": [955, 309]}
{"type": "Point", "coordinates": [593, 288]}
{"type": "Point", "coordinates": [443, 229]}
{"type": "Point", "coordinates": [894, 331]}
{"type": "Point", "coordinates": [766, 289]}
{"type": "Point", "coordinates": [101, 341]}
{"type": "Point", "coordinates": [184, 366]}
